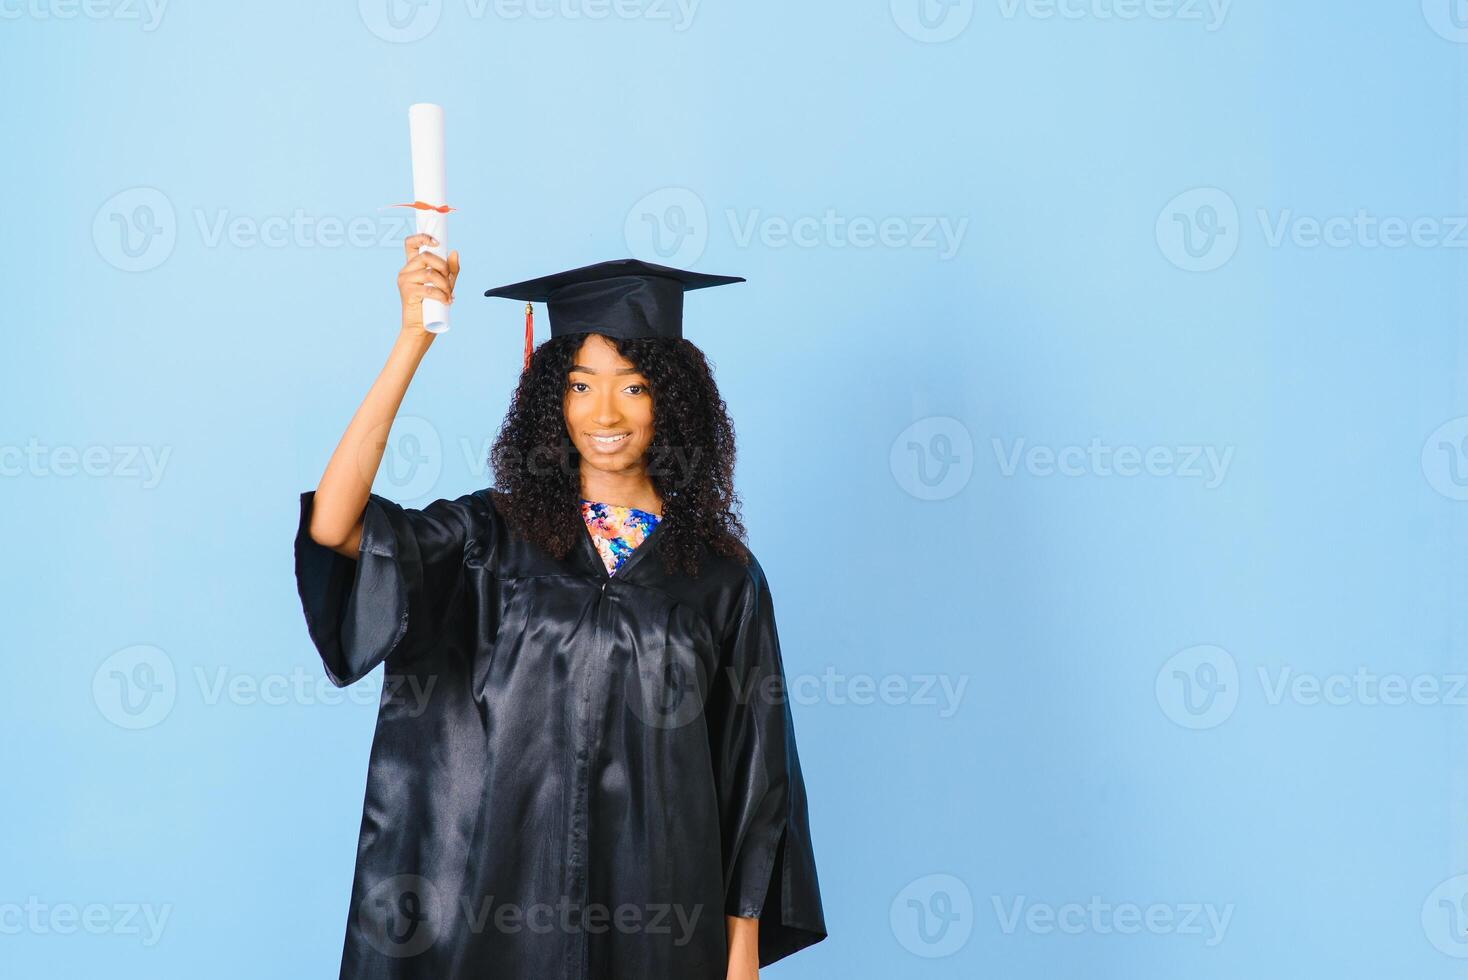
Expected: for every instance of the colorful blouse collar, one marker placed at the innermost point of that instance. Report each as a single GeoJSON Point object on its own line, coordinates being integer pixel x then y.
{"type": "Point", "coordinates": [616, 530]}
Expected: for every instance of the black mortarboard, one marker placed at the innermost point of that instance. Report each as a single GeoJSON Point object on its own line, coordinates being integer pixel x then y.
{"type": "Point", "coordinates": [622, 298]}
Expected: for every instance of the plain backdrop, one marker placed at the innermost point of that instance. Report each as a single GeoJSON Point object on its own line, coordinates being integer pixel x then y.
{"type": "Point", "coordinates": [1099, 392]}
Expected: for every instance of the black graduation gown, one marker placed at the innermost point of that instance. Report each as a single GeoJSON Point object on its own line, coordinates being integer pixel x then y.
{"type": "Point", "coordinates": [574, 775]}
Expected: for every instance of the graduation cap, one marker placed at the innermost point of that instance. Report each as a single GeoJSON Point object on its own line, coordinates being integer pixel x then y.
{"type": "Point", "coordinates": [623, 298]}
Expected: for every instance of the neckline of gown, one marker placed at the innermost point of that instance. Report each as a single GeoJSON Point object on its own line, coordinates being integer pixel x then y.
{"type": "Point", "coordinates": [635, 510]}
{"type": "Point", "coordinates": [589, 547]}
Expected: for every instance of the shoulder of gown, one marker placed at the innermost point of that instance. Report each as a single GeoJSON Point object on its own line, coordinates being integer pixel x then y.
{"type": "Point", "coordinates": [397, 595]}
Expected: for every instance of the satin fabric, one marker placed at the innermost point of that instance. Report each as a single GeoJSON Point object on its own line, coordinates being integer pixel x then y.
{"type": "Point", "coordinates": [574, 775]}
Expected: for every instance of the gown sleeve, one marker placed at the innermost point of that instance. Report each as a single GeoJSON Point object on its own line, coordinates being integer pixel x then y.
{"type": "Point", "coordinates": [393, 600]}
{"type": "Point", "coordinates": [769, 862]}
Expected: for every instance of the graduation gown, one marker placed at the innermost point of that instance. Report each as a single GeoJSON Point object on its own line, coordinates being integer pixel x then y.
{"type": "Point", "coordinates": [574, 774]}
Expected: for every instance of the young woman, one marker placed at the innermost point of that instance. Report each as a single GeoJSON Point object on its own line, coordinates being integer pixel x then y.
{"type": "Point", "coordinates": [584, 763]}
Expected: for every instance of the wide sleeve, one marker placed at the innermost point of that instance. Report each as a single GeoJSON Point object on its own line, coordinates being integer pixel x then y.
{"type": "Point", "coordinates": [769, 861]}
{"type": "Point", "coordinates": [396, 597]}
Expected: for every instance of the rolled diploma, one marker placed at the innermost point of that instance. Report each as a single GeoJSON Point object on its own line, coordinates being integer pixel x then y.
{"type": "Point", "coordinates": [425, 130]}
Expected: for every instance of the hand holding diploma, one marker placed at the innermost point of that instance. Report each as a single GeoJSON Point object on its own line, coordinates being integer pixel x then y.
{"type": "Point", "coordinates": [425, 277]}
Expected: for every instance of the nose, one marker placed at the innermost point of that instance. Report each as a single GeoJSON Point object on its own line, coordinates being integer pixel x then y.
{"type": "Point", "coordinates": [607, 414]}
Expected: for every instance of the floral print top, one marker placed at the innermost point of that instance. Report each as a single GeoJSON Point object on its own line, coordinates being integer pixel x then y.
{"type": "Point", "coordinates": [616, 530]}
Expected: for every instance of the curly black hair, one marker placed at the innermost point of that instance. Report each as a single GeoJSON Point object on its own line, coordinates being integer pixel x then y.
{"type": "Point", "coordinates": [690, 459]}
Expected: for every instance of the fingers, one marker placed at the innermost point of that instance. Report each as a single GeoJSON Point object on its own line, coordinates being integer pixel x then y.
{"type": "Point", "coordinates": [413, 243]}
{"type": "Point", "coordinates": [427, 260]}
{"type": "Point", "coordinates": [425, 275]}
{"type": "Point", "coordinates": [415, 295]}
{"type": "Point", "coordinates": [410, 278]}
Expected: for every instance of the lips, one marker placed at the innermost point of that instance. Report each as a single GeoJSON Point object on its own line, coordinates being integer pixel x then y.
{"type": "Point", "coordinates": [609, 443]}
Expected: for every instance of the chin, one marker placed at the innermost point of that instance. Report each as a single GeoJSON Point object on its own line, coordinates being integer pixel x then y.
{"type": "Point", "coordinates": [619, 463]}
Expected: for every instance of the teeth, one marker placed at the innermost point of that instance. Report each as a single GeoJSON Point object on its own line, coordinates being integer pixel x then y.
{"type": "Point", "coordinates": [608, 440]}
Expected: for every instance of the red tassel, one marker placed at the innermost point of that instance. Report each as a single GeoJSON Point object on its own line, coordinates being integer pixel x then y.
{"type": "Point", "coordinates": [529, 334]}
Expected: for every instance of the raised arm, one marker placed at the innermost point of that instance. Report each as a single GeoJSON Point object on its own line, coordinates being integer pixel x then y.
{"type": "Point", "coordinates": [341, 496]}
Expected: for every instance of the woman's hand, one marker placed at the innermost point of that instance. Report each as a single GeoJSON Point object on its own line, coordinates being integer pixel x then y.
{"type": "Point", "coordinates": [743, 948]}
{"type": "Point", "coordinates": [424, 274]}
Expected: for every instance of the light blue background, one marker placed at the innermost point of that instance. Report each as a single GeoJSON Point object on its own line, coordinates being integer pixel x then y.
{"type": "Point", "coordinates": [862, 379]}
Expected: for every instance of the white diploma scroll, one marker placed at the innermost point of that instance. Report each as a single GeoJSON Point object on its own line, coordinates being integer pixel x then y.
{"type": "Point", "coordinates": [425, 129]}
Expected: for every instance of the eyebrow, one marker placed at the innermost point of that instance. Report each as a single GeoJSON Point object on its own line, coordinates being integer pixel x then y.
{"type": "Point", "coordinates": [586, 370]}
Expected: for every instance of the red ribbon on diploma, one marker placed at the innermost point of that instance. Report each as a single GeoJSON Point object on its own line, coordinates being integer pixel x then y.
{"type": "Point", "coordinates": [440, 208]}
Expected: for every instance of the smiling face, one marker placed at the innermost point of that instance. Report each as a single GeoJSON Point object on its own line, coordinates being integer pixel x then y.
{"type": "Point", "coordinates": [608, 407]}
